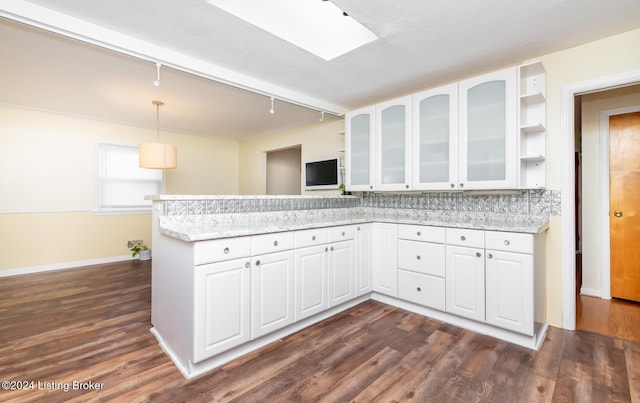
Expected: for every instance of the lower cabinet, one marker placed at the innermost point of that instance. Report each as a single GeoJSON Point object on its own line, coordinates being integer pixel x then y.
{"type": "Point", "coordinates": [271, 292]}
{"type": "Point", "coordinates": [384, 260]}
{"type": "Point", "coordinates": [341, 272]}
{"type": "Point", "coordinates": [465, 289]}
{"type": "Point", "coordinates": [363, 258]}
{"type": "Point", "coordinates": [311, 281]}
{"type": "Point", "coordinates": [222, 297]}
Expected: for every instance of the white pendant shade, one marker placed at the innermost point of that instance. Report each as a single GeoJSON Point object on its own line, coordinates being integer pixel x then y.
{"type": "Point", "coordinates": [157, 156]}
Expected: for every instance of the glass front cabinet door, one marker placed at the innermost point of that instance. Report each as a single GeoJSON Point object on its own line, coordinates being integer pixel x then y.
{"type": "Point", "coordinates": [488, 131]}
{"type": "Point", "coordinates": [435, 138]}
{"type": "Point", "coordinates": [393, 144]}
{"type": "Point", "coordinates": [359, 149]}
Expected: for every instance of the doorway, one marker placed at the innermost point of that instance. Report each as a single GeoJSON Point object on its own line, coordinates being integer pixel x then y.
{"type": "Point", "coordinates": [595, 310]}
{"type": "Point", "coordinates": [284, 171]}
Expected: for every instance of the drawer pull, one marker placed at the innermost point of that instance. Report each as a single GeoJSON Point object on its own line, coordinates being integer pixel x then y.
{"type": "Point", "coordinates": [419, 233]}
{"type": "Point", "coordinates": [275, 243]}
{"type": "Point", "coordinates": [247, 265]}
{"type": "Point", "coordinates": [489, 256]}
{"type": "Point", "coordinates": [506, 242]}
{"type": "Point", "coordinates": [418, 257]}
{"type": "Point", "coordinates": [419, 289]}
{"type": "Point", "coordinates": [257, 263]}
{"type": "Point", "coordinates": [313, 238]}
{"type": "Point", "coordinates": [226, 251]}
{"type": "Point", "coordinates": [463, 238]}
{"type": "Point", "coordinates": [478, 254]}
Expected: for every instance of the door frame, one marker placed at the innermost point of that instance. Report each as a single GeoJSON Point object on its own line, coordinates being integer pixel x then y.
{"type": "Point", "coordinates": [605, 219]}
{"type": "Point", "coordinates": [567, 218]}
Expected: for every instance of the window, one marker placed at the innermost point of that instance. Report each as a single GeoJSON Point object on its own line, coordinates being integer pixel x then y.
{"type": "Point", "coordinates": [122, 185]}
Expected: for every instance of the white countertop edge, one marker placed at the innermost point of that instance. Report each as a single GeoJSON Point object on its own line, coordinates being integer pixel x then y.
{"type": "Point", "coordinates": [242, 197]}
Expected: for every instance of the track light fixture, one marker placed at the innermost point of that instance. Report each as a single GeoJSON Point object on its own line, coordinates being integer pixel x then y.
{"type": "Point", "coordinates": [272, 110]}
{"type": "Point", "coordinates": [321, 116]}
{"type": "Point", "coordinates": [156, 82]}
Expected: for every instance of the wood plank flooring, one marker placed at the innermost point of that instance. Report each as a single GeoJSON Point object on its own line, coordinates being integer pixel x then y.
{"type": "Point", "coordinates": [610, 317]}
{"type": "Point", "coordinates": [92, 325]}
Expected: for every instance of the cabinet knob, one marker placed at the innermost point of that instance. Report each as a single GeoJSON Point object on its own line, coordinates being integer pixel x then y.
{"type": "Point", "coordinates": [507, 242]}
{"type": "Point", "coordinates": [358, 228]}
{"type": "Point", "coordinates": [332, 248]}
{"type": "Point", "coordinates": [478, 254]}
{"type": "Point", "coordinates": [313, 238]}
{"type": "Point", "coordinates": [406, 186]}
{"type": "Point", "coordinates": [419, 233]}
{"type": "Point", "coordinates": [463, 238]}
{"type": "Point", "coordinates": [343, 233]}
{"type": "Point", "coordinates": [489, 256]}
{"type": "Point", "coordinates": [462, 185]}
{"type": "Point", "coordinates": [257, 263]}
{"type": "Point", "coordinates": [370, 187]}
{"type": "Point", "coordinates": [418, 257]}
{"type": "Point", "coordinates": [247, 265]}
{"type": "Point", "coordinates": [226, 251]}
{"type": "Point", "coordinates": [418, 289]}
{"type": "Point", "coordinates": [275, 243]}
{"type": "Point", "coordinates": [453, 185]}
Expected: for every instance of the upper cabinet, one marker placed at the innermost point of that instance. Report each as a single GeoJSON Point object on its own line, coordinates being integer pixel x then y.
{"type": "Point", "coordinates": [486, 132]}
{"type": "Point", "coordinates": [393, 145]}
{"type": "Point", "coordinates": [435, 138]}
{"type": "Point", "coordinates": [359, 149]}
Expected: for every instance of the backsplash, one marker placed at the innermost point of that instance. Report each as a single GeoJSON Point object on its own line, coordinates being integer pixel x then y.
{"type": "Point", "coordinates": [525, 202]}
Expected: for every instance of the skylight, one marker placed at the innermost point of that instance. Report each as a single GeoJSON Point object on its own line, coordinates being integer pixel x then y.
{"type": "Point", "coordinates": [316, 26]}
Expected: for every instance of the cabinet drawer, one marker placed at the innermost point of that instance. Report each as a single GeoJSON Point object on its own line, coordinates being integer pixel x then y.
{"type": "Point", "coordinates": [509, 242]}
{"type": "Point", "coordinates": [421, 257]}
{"type": "Point", "coordinates": [268, 243]}
{"type": "Point", "coordinates": [218, 250]}
{"type": "Point", "coordinates": [421, 233]}
{"type": "Point", "coordinates": [311, 237]}
{"type": "Point", "coordinates": [472, 238]}
{"type": "Point", "coordinates": [421, 289]}
{"type": "Point", "coordinates": [342, 233]}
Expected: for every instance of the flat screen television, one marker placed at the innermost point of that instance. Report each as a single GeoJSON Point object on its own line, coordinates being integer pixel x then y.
{"type": "Point", "coordinates": [322, 174]}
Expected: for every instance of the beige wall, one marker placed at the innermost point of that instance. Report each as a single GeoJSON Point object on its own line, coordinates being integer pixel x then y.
{"type": "Point", "coordinates": [592, 105]}
{"type": "Point", "coordinates": [318, 141]}
{"type": "Point", "coordinates": [284, 172]}
{"type": "Point", "coordinates": [48, 178]}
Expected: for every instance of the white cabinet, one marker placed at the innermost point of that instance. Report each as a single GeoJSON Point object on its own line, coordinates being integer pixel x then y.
{"type": "Point", "coordinates": [341, 272]}
{"type": "Point", "coordinates": [435, 139]}
{"type": "Point", "coordinates": [359, 149]}
{"type": "Point", "coordinates": [488, 131]}
{"type": "Point", "coordinates": [532, 89]}
{"type": "Point", "coordinates": [393, 144]}
{"type": "Point", "coordinates": [510, 281]}
{"type": "Point", "coordinates": [363, 258]}
{"type": "Point", "coordinates": [384, 262]}
{"type": "Point", "coordinates": [271, 292]}
{"type": "Point", "coordinates": [222, 297]}
{"type": "Point", "coordinates": [310, 293]}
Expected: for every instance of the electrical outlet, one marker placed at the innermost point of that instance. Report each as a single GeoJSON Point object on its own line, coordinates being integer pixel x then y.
{"type": "Point", "coordinates": [131, 244]}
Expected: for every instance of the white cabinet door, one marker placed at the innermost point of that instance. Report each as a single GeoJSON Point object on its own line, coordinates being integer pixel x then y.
{"type": "Point", "coordinates": [359, 149]}
{"type": "Point", "coordinates": [384, 262]}
{"type": "Point", "coordinates": [310, 293]}
{"type": "Point", "coordinates": [509, 288]}
{"type": "Point", "coordinates": [393, 144]}
{"type": "Point", "coordinates": [488, 137]}
{"type": "Point", "coordinates": [271, 292]}
{"type": "Point", "coordinates": [363, 258]}
{"type": "Point", "coordinates": [341, 272]}
{"type": "Point", "coordinates": [465, 282]}
{"type": "Point", "coordinates": [221, 307]}
{"type": "Point", "coordinates": [435, 139]}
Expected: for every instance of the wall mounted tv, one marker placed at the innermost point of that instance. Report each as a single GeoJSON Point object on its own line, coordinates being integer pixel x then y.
{"type": "Point", "coordinates": [322, 174]}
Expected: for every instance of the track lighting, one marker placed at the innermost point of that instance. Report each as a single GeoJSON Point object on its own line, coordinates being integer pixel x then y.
{"type": "Point", "coordinates": [156, 82]}
{"type": "Point", "coordinates": [321, 116]}
{"type": "Point", "coordinates": [272, 111]}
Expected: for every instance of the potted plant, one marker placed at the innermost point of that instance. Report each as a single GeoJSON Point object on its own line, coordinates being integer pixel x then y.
{"type": "Point", "coordinates": [142, 250]}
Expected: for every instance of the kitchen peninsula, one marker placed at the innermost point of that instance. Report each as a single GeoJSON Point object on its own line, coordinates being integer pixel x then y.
{"type": "Point", "coordinates": [234, 273]}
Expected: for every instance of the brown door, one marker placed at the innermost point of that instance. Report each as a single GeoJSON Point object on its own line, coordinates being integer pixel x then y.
{"type": "Point", "coordinates": [624, 198]}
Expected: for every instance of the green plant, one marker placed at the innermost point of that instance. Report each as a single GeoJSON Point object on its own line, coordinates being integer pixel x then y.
{"type": "Point", "coordinates": [137, 247]}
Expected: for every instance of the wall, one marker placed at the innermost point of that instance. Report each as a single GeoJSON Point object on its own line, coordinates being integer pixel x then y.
{"type": "Point", "coordinates": [47, 181]}
{"type": "Point", "coordinates": [284, 172]}
{"type": "Point", "coordinates": [592, 105]}
{"type": "Point", "coordinates": [318, 141]}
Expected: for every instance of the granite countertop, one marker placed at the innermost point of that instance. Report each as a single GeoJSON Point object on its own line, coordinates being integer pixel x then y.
{"type": "Point", "coordinates": [204, 227]}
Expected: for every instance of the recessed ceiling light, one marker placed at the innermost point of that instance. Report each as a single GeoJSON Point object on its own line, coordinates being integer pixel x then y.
{"type": "Point", "coordinates": [316, 26]}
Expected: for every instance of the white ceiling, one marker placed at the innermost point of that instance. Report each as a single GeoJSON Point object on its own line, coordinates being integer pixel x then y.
{"type": "Point", "coordinates": [422, 44]}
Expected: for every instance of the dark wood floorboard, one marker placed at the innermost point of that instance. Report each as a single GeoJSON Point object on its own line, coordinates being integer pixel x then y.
{"type": "Point", "coordinates": [92, 325]}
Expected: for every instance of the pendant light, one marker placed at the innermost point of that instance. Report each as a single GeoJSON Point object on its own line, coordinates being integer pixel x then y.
{"type": "Point", "coordinates": [157, 155]}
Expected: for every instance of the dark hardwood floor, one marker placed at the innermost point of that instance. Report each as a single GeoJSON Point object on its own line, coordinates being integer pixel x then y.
{"type": "Point", "coordinates": [92, 325]}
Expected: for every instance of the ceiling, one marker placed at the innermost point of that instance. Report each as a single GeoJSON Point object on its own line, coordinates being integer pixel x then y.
{"type": "Point", "coordinates": [210, 58]}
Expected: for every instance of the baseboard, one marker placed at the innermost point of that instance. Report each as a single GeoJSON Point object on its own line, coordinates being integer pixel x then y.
{"type": "Point", "coordinates": [592, 292]}
{"type": "Point", "coordinates": [60, 266]}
